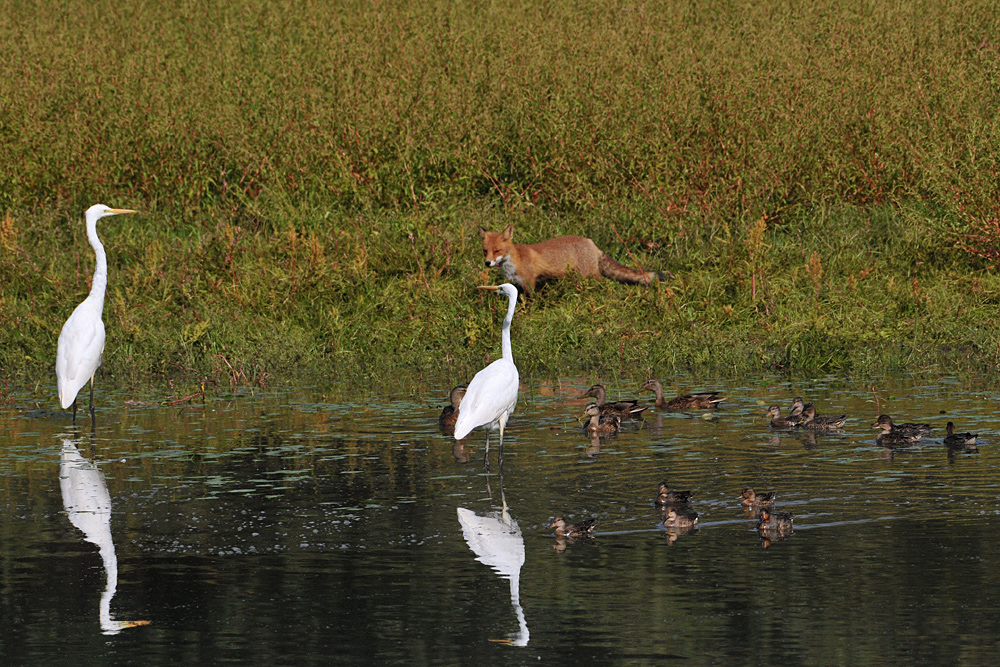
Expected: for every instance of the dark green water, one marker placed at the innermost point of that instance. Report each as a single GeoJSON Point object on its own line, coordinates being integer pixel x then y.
{"type": "Point", "coordinates": [316, 527]}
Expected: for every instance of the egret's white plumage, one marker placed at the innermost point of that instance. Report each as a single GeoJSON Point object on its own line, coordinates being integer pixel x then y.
{"type": "Point", "coordinates": [81, 341]}
{"type": "Point", "coordinates": [492, 394]}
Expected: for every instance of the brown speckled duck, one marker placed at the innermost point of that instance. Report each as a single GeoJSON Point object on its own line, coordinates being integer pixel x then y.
{"type": "Point", "coordinates": [774, 522]}
{"type": "Point", "coordinates": [811, 421]}
{"type": "Point", "coordinates": [600, 425]}
{"type": "Point", "coordinates": [899, 433]}
{"type": "Point", "coordinates": [678, 520]}
{"type": "Point", "coordinates": [753, 499]}
{"type": "Point", "coordinates": [686, 403]}
{"type": "Point", "coordinates": [624, 410]}
{"type": "Point", "coordinates": [583, 529]}
{"type": "Point", "coordinates": [665, 497]}
{"type": "Point", "coordinates": [777, 421]}
{"type": "Point", "coordinates": [959, 439]}
{"type": "Point", "coordinates": [797, 407]}
{"type": "Point", "coordinates": [449, 415]}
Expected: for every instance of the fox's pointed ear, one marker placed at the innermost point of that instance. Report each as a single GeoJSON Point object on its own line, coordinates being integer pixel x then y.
{"type": "Point", "coordinates": [508, 233]}
{"type": "Point", "coordinates": [483, 231]}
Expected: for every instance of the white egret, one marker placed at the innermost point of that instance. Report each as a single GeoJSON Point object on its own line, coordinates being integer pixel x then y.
{"type": "Point", "coordinates": [81, 341]}
{"type": "Point", "coordinates": [491, 396]}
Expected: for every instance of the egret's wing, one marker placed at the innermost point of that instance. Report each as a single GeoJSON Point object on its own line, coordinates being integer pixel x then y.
{"type": "Point", "coordinates": [491, 393]}
{"type": "Point", "coordinates": [81, 343]}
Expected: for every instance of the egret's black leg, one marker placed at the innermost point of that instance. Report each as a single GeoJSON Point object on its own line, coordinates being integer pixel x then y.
{"type": "Point", "coordinates": [74, 412]}
{"type": "Point", "coordinates": [91, 400]}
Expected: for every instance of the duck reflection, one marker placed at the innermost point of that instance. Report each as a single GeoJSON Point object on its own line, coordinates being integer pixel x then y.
{"type": "Point", "coordinates": [806, 438]}
{"type": "Point", "coordinates": [461, 453]}
{"type": "Point", "coordinates": [496, 540]}
{"type": "Point", "coordinates": [88, 504]}
{"type": "Point", "coordinates": [595, 446]}
{"type": "Point", "coordinates": [961, 450]}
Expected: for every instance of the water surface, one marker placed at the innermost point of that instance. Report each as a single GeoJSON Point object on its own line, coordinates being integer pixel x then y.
{"type": "Point", "coordinates": [323, 525]}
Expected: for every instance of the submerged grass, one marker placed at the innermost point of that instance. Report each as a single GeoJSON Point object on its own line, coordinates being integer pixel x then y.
{"type": "Point", "coordinates": [819, 182]}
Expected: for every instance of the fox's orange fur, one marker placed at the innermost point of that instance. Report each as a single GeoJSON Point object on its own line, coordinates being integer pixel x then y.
{"type": "Point", "coordinates": [525, 264]}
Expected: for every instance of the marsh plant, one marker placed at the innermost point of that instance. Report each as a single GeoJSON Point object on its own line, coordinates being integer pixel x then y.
{"type": "Point", "coordinates": [311, 179]}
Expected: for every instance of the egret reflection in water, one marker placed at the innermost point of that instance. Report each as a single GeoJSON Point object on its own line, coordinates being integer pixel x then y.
{"type": "Point", "coordinates": [88, 504]}
{"type": "Point", "coordinates": [496, 540]}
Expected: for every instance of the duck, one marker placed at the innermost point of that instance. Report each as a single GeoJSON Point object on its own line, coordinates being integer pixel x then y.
{"type": "Point", "coordinates": [811, 421]}
{"type": "Point", "coordinates": [676, 520]}
{"type": "Point", "coordinates": [583, 529]}
{"type": "Point", "coordinates": [665, 497]}
{"type": "Point", "coordinates": [449, 415]}
{"type": "Point", "coordinates": [899, 433]}
{"type": "Point", "coordinates": [624, 410]}
{"type": "Point", "coordinates": [753, 499]}
{"type": "Point", "coordinates": [798, 406]}
{"type": "Point", "coordinates": [686, 403]}
{"type": "Point", "coordinates": [775, 522]}
{"type": "Point", "coordinates": [777, 421]}
{"type": "Point", "coordinates": [959, 439]}
{"type": "Point", "coordinates": [600, 425]}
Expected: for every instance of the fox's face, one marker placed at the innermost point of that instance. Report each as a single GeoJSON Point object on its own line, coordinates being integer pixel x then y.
{"type": "Point", "coordinates": [496, 246]}
{"type": "Point", "coordinates": [493, 252]}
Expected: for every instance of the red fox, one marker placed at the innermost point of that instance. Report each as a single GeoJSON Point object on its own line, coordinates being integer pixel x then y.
{"type": "Point", "coordinates": [524, 265]}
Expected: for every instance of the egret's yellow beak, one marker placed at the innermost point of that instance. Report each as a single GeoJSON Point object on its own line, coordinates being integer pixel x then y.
{"type": "Point", "coordinates": [490, 287]}
{"type": "Point", "coordinates": [120, 211]}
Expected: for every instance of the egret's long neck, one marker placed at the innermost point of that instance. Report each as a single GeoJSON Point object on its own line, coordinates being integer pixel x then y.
{"type": "Point", "coordinates": [508, 353]}
{"type": "Point", "coordinates": [100, 282]}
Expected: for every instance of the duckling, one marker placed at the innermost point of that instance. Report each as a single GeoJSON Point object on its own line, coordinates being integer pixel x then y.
{"type": "Point", "coordinates": [665, 496]}
{"type": "Point", "coordinates": [583, 529]}
{"type": "Point", "coordinates": [625, 410]}
{"type": "Point", "coordinates": [774, 522]}
{"type": "Point", "coordinates": [598, 425]}
{"type": "Point", "coordinates": [899, 433]}
{"type": "Point", "coordinates": [959, 439]}
{"type": "Point", "coordinates": [449, 415]}
{"type": "Point", "coordinates": [753, 499]}
{"type": "Point", "coordinates": [811, 421]}
{"type": "Point", "coordinates": [777, 421]}
{"type": "Point", "coordinates": [686, 403]}
{"type": "Point", "coordinates": [675, 520]}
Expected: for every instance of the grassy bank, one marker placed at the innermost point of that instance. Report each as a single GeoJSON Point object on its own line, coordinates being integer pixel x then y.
{"type": "Point", "coordinates": [819, 182]}
{"type": "Point", "coordinates": [369, 295]}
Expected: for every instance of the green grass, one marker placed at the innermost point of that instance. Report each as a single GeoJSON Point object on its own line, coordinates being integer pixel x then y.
{"type": "Point", "coordinates": [311, 177]}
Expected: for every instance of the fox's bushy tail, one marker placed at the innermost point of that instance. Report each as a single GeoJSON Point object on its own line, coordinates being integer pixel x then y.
{"type": "Point", "coordinates": [611, 269]}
